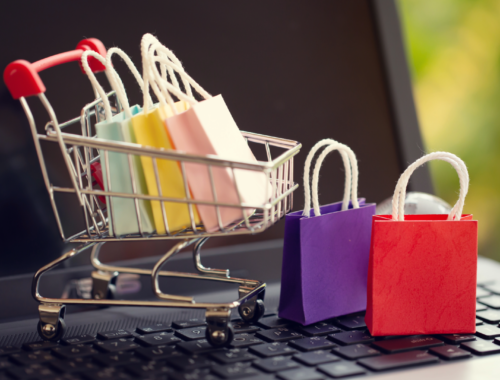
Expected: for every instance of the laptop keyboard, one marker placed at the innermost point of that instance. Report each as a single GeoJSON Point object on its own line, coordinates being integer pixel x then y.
{"type": "Point", "coordinates": [273, 348]}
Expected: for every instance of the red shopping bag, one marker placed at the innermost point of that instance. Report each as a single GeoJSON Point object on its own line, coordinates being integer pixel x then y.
{"type": "Point", "coordinates": [422, 268]}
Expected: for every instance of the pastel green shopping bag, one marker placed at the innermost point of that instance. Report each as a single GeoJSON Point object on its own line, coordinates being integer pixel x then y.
{"type": "Point", "coordinates": [125, 216]}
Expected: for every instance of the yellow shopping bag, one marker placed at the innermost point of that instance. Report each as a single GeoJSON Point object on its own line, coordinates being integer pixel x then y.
{"type": "Point", "coordinates": [150, 131]}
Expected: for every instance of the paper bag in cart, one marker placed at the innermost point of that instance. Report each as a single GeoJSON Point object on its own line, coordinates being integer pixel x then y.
{"type": "Point", "coordinates": [207, 128]}
{"type": "Point", "coordinates": [123, 216]}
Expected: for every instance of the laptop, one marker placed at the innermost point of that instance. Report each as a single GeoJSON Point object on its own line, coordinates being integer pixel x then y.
{"type": "Point", "coordinates": [288, 69]}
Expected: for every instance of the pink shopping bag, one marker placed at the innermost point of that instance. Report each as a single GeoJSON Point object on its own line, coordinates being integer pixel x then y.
{"type": "Point", "coordinates": [208, 128]}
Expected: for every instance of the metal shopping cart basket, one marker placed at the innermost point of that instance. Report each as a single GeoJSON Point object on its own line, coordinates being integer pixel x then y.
{"type": "Point", "coordinates": [81, 154]}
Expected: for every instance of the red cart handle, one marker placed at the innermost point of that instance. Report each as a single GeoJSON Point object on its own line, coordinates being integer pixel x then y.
{"type": "Point", "coordinates": [22, 79]}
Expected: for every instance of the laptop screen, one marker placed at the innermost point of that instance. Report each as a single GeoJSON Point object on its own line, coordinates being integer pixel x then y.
{"type": "Point", "coordinates": [287, 69]}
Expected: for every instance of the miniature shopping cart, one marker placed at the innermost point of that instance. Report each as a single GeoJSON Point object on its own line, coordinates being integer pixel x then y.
{"type": "Point", "coordinates": [81, 155]}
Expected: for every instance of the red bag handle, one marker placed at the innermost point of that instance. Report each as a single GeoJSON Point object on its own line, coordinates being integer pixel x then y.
{"type": "Point", "coordinates": [398, 200]}
{"type": "Point", "coordinates": [22, 79]}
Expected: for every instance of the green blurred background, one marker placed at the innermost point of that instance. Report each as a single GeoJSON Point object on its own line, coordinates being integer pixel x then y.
{"type": "Point", "coordinates": [454, 53]}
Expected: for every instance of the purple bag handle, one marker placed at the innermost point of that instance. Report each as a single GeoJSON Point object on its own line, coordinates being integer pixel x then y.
{"type": "Point", "coordinates": [351, 182]}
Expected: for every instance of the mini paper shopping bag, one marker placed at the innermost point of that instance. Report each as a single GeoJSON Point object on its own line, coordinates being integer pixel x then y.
{"type": "Point", "coordinates": [124, 217]}
{"type": "Point", "coordinates": [325, 256]}
{"type": "Point", "coordinates": [422, 270]}
{"type": "Point", "coordinates": [166, 180]}
{"type": "Point", "coordinates": [207, 128]}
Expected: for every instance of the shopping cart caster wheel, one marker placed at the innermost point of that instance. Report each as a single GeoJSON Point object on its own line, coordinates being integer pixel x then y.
{"type": "Point", "coordinates": [51, 332]}
{"type": "Point", "coordinates": [249, 315]}
{"type": "Point", "coordinates": [104, 285]}
{"type": "Point", "coordinates": [220, 338]}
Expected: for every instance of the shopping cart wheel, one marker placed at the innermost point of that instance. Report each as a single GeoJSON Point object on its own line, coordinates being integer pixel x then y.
{"type": "Point", "coordinates": [251, 312]}
{"type": "Point", "coordinates": [220, 337]}
{"type": "Point", "coordinates": [50, 332]}
{"type": "Point", "coordinates": [219, 332]}
{"type": "Point", "coordinates": [103, 285]}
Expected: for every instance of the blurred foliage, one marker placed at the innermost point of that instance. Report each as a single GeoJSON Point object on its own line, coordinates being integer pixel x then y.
{"type": "Point", "coordinates": [454, 49]}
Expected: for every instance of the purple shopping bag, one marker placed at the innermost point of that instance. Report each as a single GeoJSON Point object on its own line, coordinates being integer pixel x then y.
{"type": "Point", "coordinates": [325, 256]}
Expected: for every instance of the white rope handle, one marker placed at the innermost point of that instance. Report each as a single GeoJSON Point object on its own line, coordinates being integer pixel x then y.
{"type": "Point", "coordinates": [400, 191]}
{"type": "Point", "coordinates": [354, 177]}
{"type": "Point", "coordinates": [154, 52]}
{"type": "Point", "coordinates": [307, 166]}
{"type": "Point", "coordinates": [351, 181]}
{"type": "Point", "coordinates": [93, 80]}
{"type": "Point", "coordinates": [116, 82]}
{"type": "Point", "coordinates": [179, 69]}
{"type": "Point", "coordinates": [456, 210]}
{"type": "Point", "coordinates": [147, 74]}
{"type": "Point", "coordinates": [169, 54]}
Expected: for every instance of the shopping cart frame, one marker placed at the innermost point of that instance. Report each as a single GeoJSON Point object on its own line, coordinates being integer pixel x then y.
{"type": "Point", "coordinates": [78, 159]}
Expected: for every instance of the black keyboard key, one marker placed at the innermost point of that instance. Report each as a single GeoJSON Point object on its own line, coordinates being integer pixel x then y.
{"type": "Point", "coordinates": [245, 340]}
{"type": "Point", "coordinates": [74, 365]}
{"type": "Point", "coordinates": [356, 351]}
{"type": "Point", "coordinates": [351, 337]}
{"type": "Point", "coordinates": [35, 357]}
{"type": "Point", "coordinates": [314, 358]}
{"type": "Point", "coordinates": [341, 369]}
{"type": "Point", "coordinates": [234, 371]}
{"type": "Point", "coordinates": [457, 338]}
{"type": "Point", "coordinates": [114, 373]}
{"type": "Point", "coordinates": [156, 353]}
{"type": "Point", "coordinates": [188, 323]}
{"type": "Point", "coordinates": [157, 339]}
{"type": "Point", "coordinates": [407, 344]}
{"type": "Point", "coordinates": [119, 358]}
{"type": "Point", "coordinates": [448, 352]}
{"type": "Point", "coordinates": [312, 343]}
{"type": "Point", "coordinates": [34, 371]}
{"type": "Point", "coordinates": [240, 327]}
{"type": "Point", "coordinates": [481, 292]}
{"type": "Point", "coordinates": [272, 349]}
{"type": "Point", "coordinates": [192, 333]}
{"type": "Point", "coordinates": [491, 301]}
{"type": "Point", "coordinates": [117, 345]}
{"type": "Point", "coordinates": [281, 334]}
{"type": "Point", "coordinates": [403, 359]}
{"type": "Point", "coordinates": [279, 363]}
{"type": "Point", "coordinates": [489, 316]}
{"type": "Point", "coordinates": [188, 363]}
{"type": "Point", "coordinates": [318, 329]}
{"type": "Point", "coordinates": [199, 346]}
{"type": "Point", "coordinates": [157, 327]}
{"type": "Point", "coordinates": [149, 370]}
{"type": "Point", "coordinates": [197, 374]}
{"type": "Point", "coordinates": [114, 334]}
{"type": "Point", "coordinates": [351, 322]}
{"type": "Point", "coordinates": [79, 339]}
{"type": "Point", "coordinates": [72, 352]}
{"type": "Point", "coordinates": [301, 374]}
{"type": "Point", "coordinates": [41, 345]}
{"type": "Point", "coordinates": [481, 347]}
{"type": "Point", "coordinates": [4, 364]}
{"type": "Point", "coordinates": [273, 322]}
{"type": "Point", "coordinates": [8, 350]}
{"type": "Point", "coordinates": [487, 331]}
{"type": "Point", "coordinates": [232, 355]}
